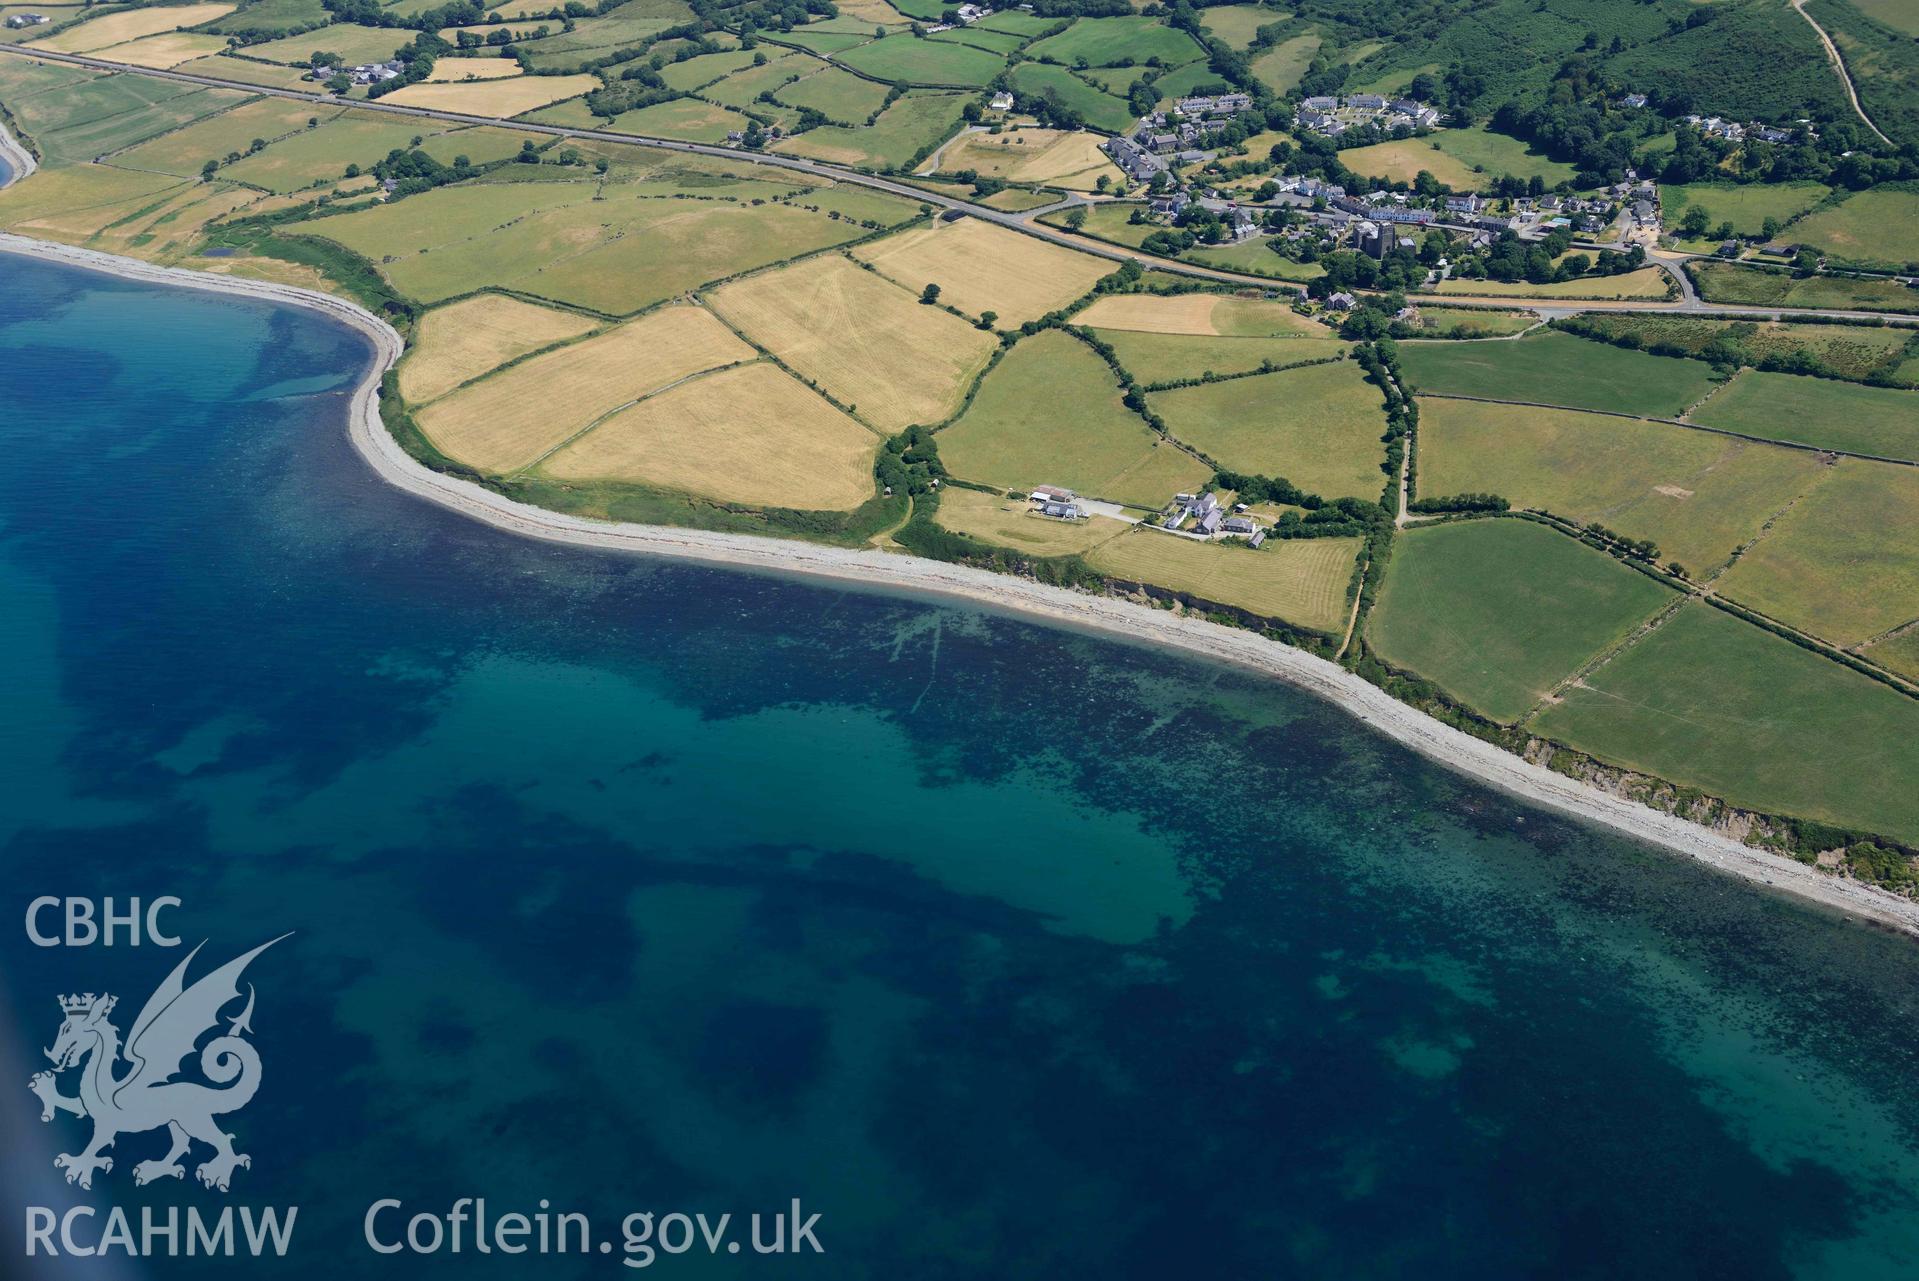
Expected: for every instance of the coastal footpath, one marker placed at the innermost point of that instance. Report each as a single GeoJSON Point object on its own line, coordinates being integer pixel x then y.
{"type": "Point", "coordinates": [1108, 616]}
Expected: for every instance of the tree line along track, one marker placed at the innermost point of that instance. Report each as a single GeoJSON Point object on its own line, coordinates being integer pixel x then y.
{"type": "Point", "coordinates": [1016, 222]}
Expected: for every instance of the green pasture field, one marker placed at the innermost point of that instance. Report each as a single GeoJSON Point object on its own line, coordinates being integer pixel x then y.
{"type": "Point", "coordinates": [1280, 67]}
{"type": "Point", "coordinates": [1194, 77]}
{"type": "Point", "coordinates": [272, 15]}
{"type": "Point", "coordinates": [1818, 411]}
{"type": "Point", "coordinates": [911, 125]}
{"type": "Point", "coordinates": [1851, 351]}
{"type": "Point", "coordinates": [1897, 653]}
{"type": "Point", "coordinates": [1877, 226]}
{"type": "Point", "coordinates": [1754, 286]}
{"type": "Point", "coordinates": [1238, 24]}
{"type": "Point", "coordinates": [1711, 701]}
{"type": "Point", "coordinates": [355, 43]}
{"type": "Point", "coordinates": [1116, 80]}
{"type": "Point", "coordinates": [1900, 15]}
{"type": "Point", "coordinates": [1016, 200]}
{"type": "Point", "coordinates": [931, 9]}
{"type": "Point", "coordinates": [1647, 282]}
{"type": "Point", "coordinates": [1108, 222]}
{"type": "Point", "coordinates": [999, 43]}
{"type": "Point", "coordinates": [905, 59]}
{"type": "Point", "coordinates": [1010, 20]}
{"type": "Point", "coordinates": [836, 94]}
{"type": "Point", "coordinates": [1559, 369]}
{"type": "Point", "coordinates": [1157, 358]}
{"type": "Point", "coordinates": [21, 79]}
{"type": "Point", "coordinates": [1746, 206]}
{"type": "Point", "coordinates": [1013, 435]}
{"type": "Point", "coordinates": [1843, 564]}
{"type": "Point", "coordinates": [593, 37]}
{"type": "Point", "coordinates": [1495, 153]}
{"type": "Point", "coordinates": [322, 154]}
{"type": "Point", "coordinates": [1498, 612]}
{"type": "Point", "coordinates": [1255, 258]}
{"type": "Point", "coordinates": [1699, 495]}
{"type": "Point", "coordinates": [708, 67]}
{"type": "Point", "coordinates": [554, 240]}
{"type": "Point", "coordinates": [1106, 42]}
{"type": "Point", "coordinates": [1487, 324]}
{"type": "Point", "coordinates": [1099, 109]}
{"type": "Point", "coordinates": [1299, 580]}
{"type": "Point", "coordinates": [859, 204]}
{"type": "Point", "coordinates": [81, 119]}
{"type": "Point", "coordinates": [823, 41]}
{"type": "Point", "coordinates": [690, 119]}
{"type": "Point", "coordinates": [480, 144]}
{"type": "Point", "coordinates": [743, 87]}
{"type": "Point", "coordinates": [1318, 427]}
{"type": "Point", "coordinates": [184, 151]}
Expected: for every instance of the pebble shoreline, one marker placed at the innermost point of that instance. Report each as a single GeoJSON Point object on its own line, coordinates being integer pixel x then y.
{"type": "Point", "coordinates": [1112, 617]}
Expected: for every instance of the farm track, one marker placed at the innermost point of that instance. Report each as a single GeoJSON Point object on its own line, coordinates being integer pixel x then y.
{"type": "Point", "coordinates": [834, 173]}
{"type": "Point", "coordinates": [1839, 65]}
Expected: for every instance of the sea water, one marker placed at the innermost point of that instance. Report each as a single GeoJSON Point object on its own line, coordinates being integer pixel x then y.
{"type": "Point", "coordinates": [616, 885]}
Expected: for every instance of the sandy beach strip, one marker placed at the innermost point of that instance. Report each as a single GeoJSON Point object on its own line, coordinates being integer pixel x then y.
{"type": "Point", "coordinates": [1125, 619]}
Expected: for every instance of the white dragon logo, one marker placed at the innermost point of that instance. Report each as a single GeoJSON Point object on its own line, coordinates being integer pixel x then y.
{"type": "Point", "coordinates": [147, 1097]}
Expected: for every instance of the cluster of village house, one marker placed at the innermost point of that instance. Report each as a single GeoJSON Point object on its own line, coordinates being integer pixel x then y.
{"type": "Point", "coordinates": [1165, 141]}
{"type": "Point", "coordinates": [1334, 116]}
{"type": "Point", "coordinates": [1192, 515]}
{"type": "Point", "coordinates": [18, 20]}
{"type": "Point", "coordinates": [367, 73]}
{"type": "Point", "coordinates": [1714, 127]}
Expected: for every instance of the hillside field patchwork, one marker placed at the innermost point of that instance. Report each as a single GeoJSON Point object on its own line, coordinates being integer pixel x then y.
{"type": "Point", "coordinates": [728, 339]}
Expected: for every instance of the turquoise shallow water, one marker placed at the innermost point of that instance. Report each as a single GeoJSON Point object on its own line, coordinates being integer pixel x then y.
{"type": "Point", "coordinates": [1014, 953]}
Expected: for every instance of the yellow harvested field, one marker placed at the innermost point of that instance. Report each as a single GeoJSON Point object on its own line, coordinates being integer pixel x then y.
{"type": "Point", "coordinates": [462, 340]}
{"type": "Point", "coordinates": [1033, 155]}
{"type": "Point", "coordinates": [1210, 315]}
{"type": "Point", "coordinates": [166, 51]}
{"type": "Point", "coordinates": [746, 435]}
{"type": "Point", "coordinates": [877, 12]}
{"type": "Point", "coordinates": [981, 268]}
{"type": "Point", "coordinates": [514, 418]}
{"type": "Point", "coordinates": [861, 337]}
{"type": "Point", "coordinates": [1148, 314]}
{"type": "Point", "coordinates": [1012, 522]}
{"type": "Point", "coordinates": [1300, 580]}
{"type": "Point", "coordinates": [72, 204]}
{"type": "Point", "coordinates": [445, 69]}
{"type": "Point", "coordinates": [500, 98]}
{"type": "Point", "coordinates": [131, 24]}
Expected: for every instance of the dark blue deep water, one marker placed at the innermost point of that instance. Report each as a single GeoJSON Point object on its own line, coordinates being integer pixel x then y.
{"type": "Point", "coordinates": [1013, 953]}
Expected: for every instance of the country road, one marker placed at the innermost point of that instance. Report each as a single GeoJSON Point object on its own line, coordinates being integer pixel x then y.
{"type": "Point", "coordinates": [1839, 65]}
{"type": "Point", "coordinates": [1019, 222]}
